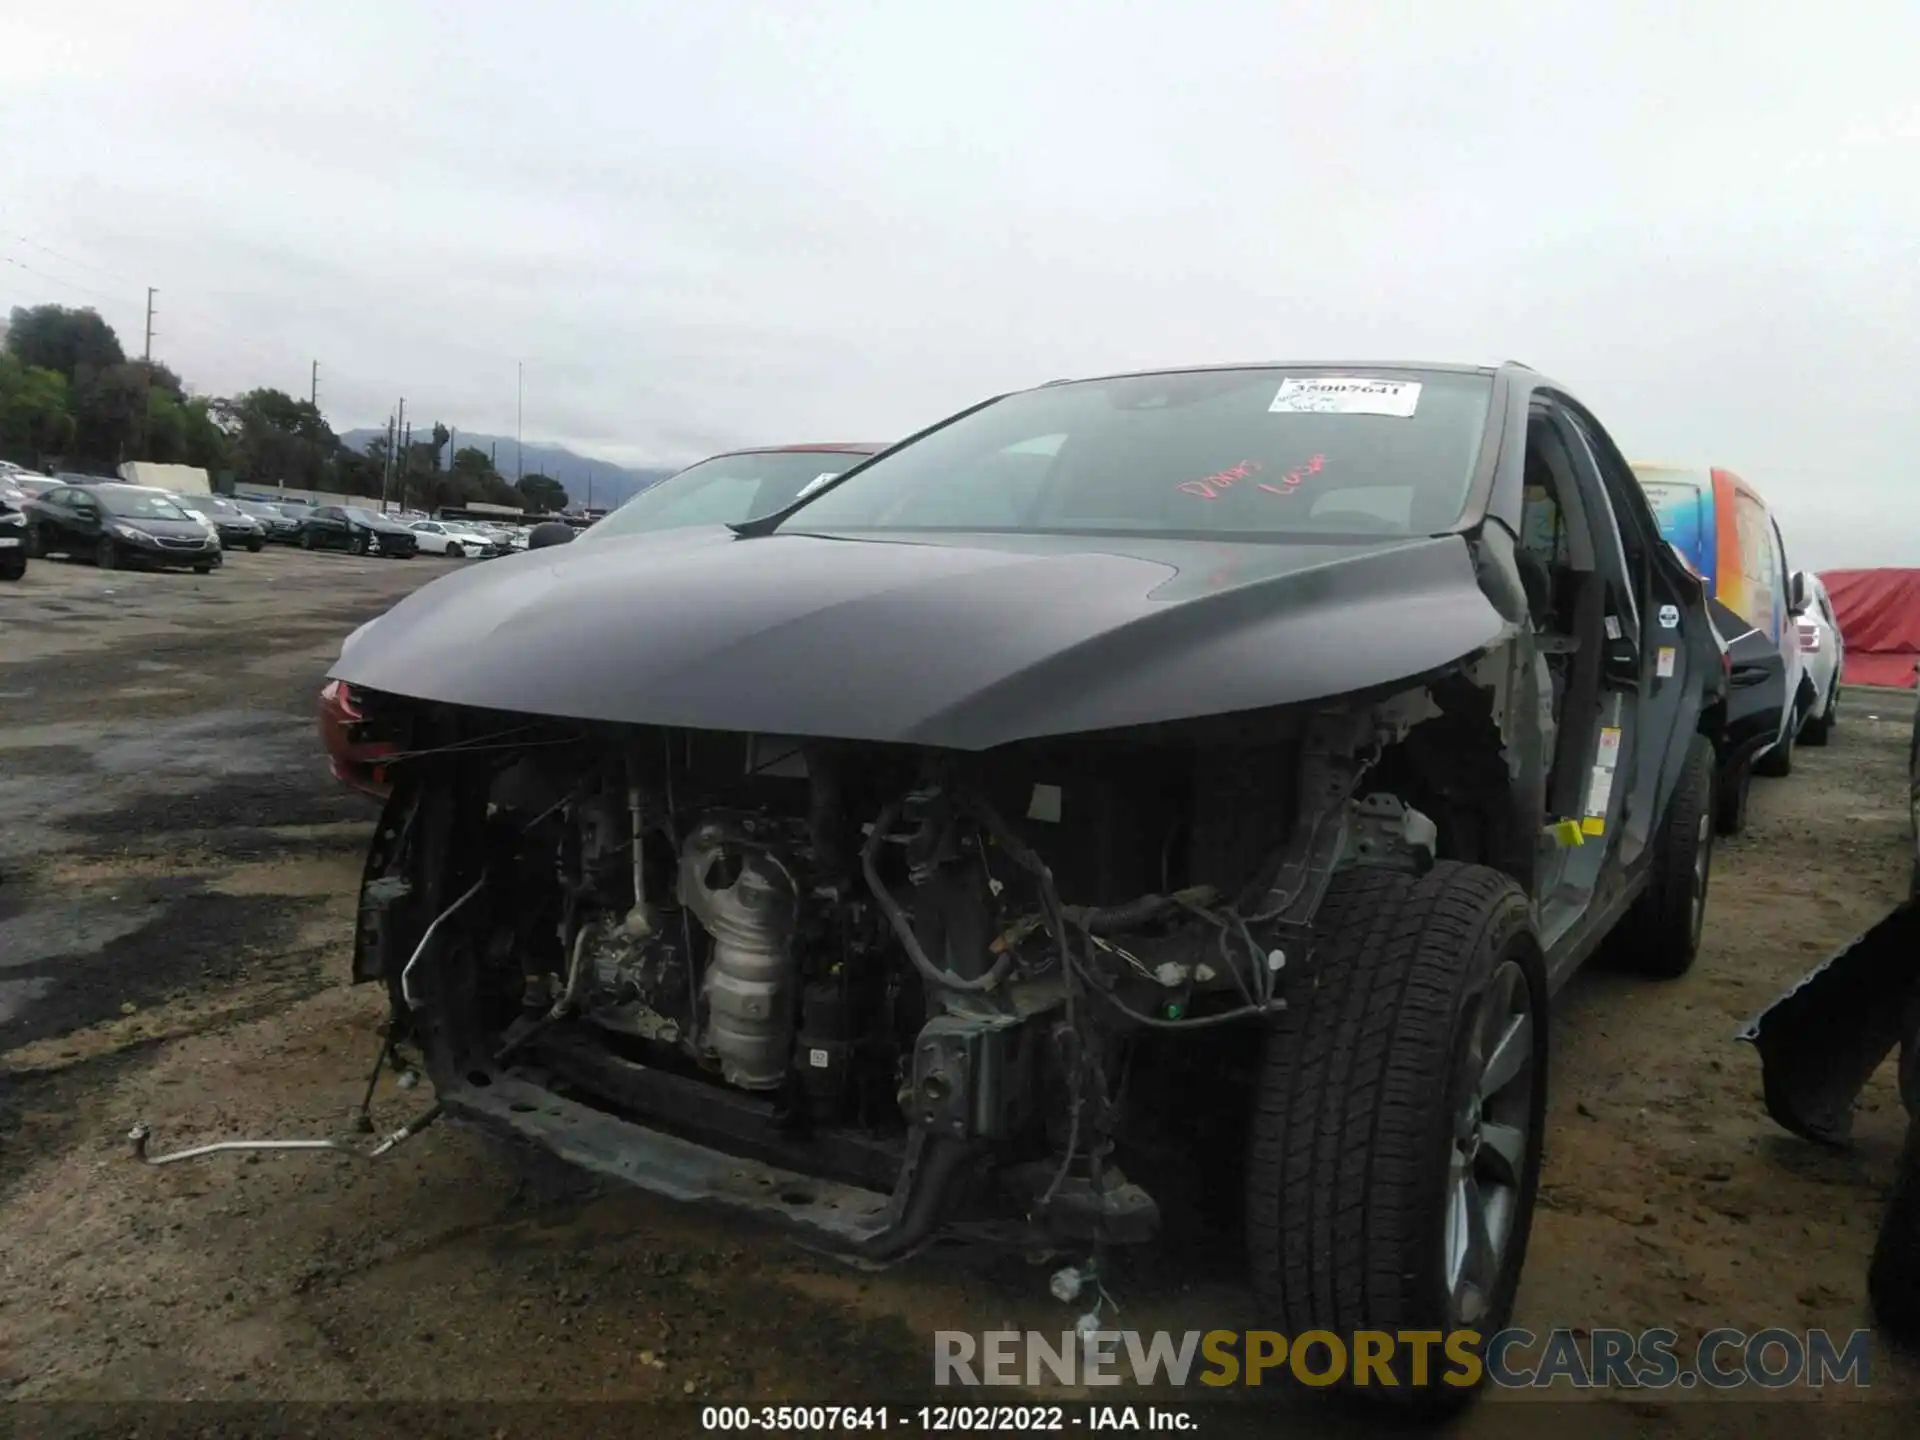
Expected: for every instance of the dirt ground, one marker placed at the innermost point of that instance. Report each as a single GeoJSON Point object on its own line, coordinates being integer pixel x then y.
{"type": "Point", "coordinates": [177, 876]}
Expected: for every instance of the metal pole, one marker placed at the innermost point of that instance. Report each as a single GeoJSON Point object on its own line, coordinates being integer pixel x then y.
{"type": "Point", "coordinates": [313, 390]}
{"type": "Point", "coordinates": [399, 462]}
{"type": "Point", "coordinates": [406, 470]}
{"type": "Point", "coordinates": [386, 472]}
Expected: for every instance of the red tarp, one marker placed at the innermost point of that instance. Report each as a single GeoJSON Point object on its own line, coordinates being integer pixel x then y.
{"type": "Point", "coordinates": [1879, 615]}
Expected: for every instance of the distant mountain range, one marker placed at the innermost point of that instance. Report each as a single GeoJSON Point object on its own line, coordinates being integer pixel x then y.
{"type": "Point", "coordinates": [594, 482]}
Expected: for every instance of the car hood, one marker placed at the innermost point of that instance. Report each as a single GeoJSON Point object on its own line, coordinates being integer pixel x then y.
{"type": "Point", "coordinates": [965, 642]}
{"type": "Point", "coordinates": [172, 529]}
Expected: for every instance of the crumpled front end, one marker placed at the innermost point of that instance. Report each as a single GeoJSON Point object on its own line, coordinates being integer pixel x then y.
{"type": "Point", "coordinates": [876, 990]}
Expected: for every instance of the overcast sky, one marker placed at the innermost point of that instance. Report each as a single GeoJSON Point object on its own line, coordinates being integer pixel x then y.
{"type": "Point", "coordinates": [707, 224]}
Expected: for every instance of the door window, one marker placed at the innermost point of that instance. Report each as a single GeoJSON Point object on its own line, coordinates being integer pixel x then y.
{"type": "Point", "coordinates": [1758, 563]}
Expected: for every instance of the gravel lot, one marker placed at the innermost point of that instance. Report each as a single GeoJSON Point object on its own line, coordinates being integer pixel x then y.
{"type": "Point", "coordinates": [177, 875]}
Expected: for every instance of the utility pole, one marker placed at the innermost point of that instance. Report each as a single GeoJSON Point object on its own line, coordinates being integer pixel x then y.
{"type": "Point", "coordinates": [406, 471]}
{"type": "Point", "coordinates": [146, 375]}
{"type": "Point", "coordinates": [589, 485]}
{"type": "Point", "coordinates": [519, 419]}
{"type": "Point", "coordinates": [313, 390]}
{"type": "Point", "coordinates": [386, 471]}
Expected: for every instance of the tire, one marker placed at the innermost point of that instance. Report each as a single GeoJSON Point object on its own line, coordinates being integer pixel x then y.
{"type": "Point", "coordinates": [306, 539]}
{"type": "Point", "coordinates": [106, 554]}
{"type": "Point", "coordinates": [1730, 800]}
{"type": "Point", "coordinates": [1361, 1106]}
{"type": "Point", "coordinates": [14, 569]}
{"type": "Point", "coordinates": [358, 544]}
{"type": "Point", "coordinates": [35, 545]}
{"type": "Point", "coordinates": [203, 569]}
{"type": "Point", "coordinates": [455, 551]}
{"type": "Point", "coordinates": [1777, 763]}
{"type": "Point", "coordinates": [1660, 936]}
{"type": "Point", "coordinates": [256, 545]}
{"type": "Point", "coordinates": [1893, 1275]}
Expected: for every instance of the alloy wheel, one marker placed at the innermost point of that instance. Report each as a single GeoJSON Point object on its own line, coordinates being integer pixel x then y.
{"type": "Point", "coordinates": [1492, 1139]}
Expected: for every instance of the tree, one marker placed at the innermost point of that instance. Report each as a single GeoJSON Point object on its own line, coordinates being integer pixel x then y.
{"type": "Point", "coordinates": [204, 443]}
{"type": "Point", "coordinates": [36, 417]}
{"type": "Point", "coordinates": [53, 337]}
{"type": "Point", "coordinates": [542, 492]}
{"type": "Point", "coordinates": [108, 405]}
{"type": "Point", "coordinates": [278, 438]}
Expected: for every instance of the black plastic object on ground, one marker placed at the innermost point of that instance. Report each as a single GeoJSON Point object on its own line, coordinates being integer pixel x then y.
{"type": "Point", "coordinates": [1821, 1040]}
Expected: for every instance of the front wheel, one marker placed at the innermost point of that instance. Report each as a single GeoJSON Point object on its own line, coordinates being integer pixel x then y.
{"type": "Point", "coordinates": [33, 544]}
{"type": "Point", "coordinates": [107, 554]}
{"type": "Point", "coordinates": [1730, 804]}
{"type": "Point", "coordinates": [256, 544]}
{"type": "Point", "coordinates": [358, 545]}
{"type": "Point", "coordinates": [456, 551]}
{"type": "Point", "coordinates": [14, 569]}
{"type": "Point", "coordinates": [1395, 1145]}
{"type": "Point", "coordinates": [306, 540]}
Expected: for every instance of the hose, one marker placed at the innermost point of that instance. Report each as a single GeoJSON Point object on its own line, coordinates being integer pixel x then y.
{"type": "Point", "coordinates": [406, 974]}
{"type": "Point", "coordinates": [896, 917]}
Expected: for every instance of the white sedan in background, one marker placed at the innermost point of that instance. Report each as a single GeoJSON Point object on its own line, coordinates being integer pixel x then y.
{"type": "Point", "coordinates": [1823, 651]}
{"type": "Point", "coordinates": [441, 537]}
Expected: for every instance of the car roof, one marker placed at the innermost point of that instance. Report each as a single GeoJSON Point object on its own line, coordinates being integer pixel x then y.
{"type": "Point", "coordinates": [840, 447]}
{"type": "Point", "coordinates": [1428, 367]}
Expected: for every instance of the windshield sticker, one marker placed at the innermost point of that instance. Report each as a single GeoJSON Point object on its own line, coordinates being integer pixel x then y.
{"type": "Point", "coordinates": [1613, 627]}
{"type": "Point", "coordinates": [1212, 487]}
{"type": "Point", "coordinates": [816, 482]}
{"type": "Point", "coordinates": [1663, 663]}
{"type": "Point", "coordinates": [1346, 395]}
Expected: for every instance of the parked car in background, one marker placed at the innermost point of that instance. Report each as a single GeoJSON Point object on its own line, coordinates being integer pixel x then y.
{"type": "Point", "coordinates": [732, 487]}
{"type": "Point", "coordinates": [276, 524]}
{"type": "Point", "coordinates": [444, 537]}
{"type": "Point", "coordinates": [1728, 535]}
{"type": "Point", "coordinates": [358, 530]}
{"type": "Point", "coordinates": [234, 525]}
{"type": "Point", "coordinates": [736, 486]}
{"type": "Point", "coordinates": [13, 536]}
{"type": "Point", "coordinates": [1019, 673]}
{"type": "Point", "coordinates": [114, 525]}
{"type": "Point", "coordinates": [30, 485]}
{"type": "Point", "coordinates": [1823, 654]}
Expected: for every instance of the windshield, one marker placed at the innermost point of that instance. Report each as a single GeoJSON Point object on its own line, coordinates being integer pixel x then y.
{"type": "Point", "coordinates": [726, 490]}
{"type": "Point", "coordinates": [132, 504]}
{"type": "Point", "coordinates": [365, 517]}
{"type": "Point", "coordinates": [1242, 452]}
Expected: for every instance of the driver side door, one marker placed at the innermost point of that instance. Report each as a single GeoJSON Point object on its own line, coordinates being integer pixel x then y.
{"type": "Point", "coordinates": [87, 519]}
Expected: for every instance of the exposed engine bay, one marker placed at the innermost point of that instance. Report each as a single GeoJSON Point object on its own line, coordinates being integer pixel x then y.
{"type": "Point", "coordinates": [889, 968]}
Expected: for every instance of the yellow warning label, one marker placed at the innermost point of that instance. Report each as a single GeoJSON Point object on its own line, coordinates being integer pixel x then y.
{"type": "Point", "coordinates": [1566, 832]}
{"type": "Point", "coordinates": [1594, 825]}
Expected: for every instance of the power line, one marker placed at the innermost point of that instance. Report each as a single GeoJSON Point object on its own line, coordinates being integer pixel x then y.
{"type": "Point", "coordinates": [84, 265]}
{"type": "Point", "coordinates": [55, 279]}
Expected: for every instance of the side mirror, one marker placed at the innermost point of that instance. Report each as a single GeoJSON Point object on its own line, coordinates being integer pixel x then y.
{"type": "Point", "coordinates": [551, 532]}
{"type": "Point", "coordinates": [1797, 593]}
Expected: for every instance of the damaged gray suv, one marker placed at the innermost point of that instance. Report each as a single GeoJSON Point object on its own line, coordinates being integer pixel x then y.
{"type": "Point", "coordinates": [1126, 794]}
